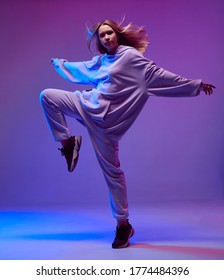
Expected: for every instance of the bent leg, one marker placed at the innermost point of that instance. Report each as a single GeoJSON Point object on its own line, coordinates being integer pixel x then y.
{"type": "Point", "coordinates": [107, 155]}
{"type": "Point", "coordinates": [56, 104]}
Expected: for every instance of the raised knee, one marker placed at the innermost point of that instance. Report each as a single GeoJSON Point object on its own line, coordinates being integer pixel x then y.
{"type": "Point", "coordinates": [45, 94]}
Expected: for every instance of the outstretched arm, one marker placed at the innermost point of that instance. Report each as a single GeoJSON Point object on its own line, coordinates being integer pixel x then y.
{"type": "Point", "coordinates": [76, 72]}
{"type": "Point", "coordinates": [161, 82]}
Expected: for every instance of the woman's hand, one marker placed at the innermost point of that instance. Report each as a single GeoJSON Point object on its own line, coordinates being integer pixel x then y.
{"type": "Point", "coordinates": [54, 62]}
{"type": "Point", "coordinates": [207, 88]}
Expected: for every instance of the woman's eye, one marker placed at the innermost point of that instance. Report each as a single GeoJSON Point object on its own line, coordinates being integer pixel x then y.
{"type": "Point", "coordinates": [108, 33]}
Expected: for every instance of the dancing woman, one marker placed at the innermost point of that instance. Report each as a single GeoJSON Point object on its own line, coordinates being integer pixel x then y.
{"type": "Point", "coordinates": [121, 80]}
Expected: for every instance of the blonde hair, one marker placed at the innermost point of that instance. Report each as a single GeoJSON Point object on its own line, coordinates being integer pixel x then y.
{"type": "Point", "coordinates": [128, 35]}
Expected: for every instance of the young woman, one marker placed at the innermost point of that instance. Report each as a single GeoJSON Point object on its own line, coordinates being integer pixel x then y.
{"type": "Point", "coordinates": [122, 80]}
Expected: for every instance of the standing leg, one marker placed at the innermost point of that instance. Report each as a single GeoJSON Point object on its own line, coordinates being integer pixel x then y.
{"type": "Point", "coordinates": [107, 155]}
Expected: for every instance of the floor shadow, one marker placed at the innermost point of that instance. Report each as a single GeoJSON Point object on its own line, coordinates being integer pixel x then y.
{"type": "Point", "coordinates": [178, 233]}
{"type": "Point", "coordinates": [204, 251]}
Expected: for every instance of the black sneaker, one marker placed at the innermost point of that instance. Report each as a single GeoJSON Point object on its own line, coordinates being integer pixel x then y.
{"type": "Point", "coordinates": [123, 235]}
{"type": "Point", "coordinates": [71, 151]}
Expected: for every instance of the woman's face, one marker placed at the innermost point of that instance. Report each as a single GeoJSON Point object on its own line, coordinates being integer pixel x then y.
{"type": "Point", "coordinates": [108, 38]}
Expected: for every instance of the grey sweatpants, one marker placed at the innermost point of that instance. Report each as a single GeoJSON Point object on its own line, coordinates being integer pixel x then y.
{"type": "Point", "coordinates": [59, 103]}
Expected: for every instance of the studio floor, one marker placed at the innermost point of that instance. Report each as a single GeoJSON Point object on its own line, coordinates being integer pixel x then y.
{"type": "Point", "coordinates": [163, 231]}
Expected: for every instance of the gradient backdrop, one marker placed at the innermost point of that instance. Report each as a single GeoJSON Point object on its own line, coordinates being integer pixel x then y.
{"type": "Point", "coordinates": [174, 151]}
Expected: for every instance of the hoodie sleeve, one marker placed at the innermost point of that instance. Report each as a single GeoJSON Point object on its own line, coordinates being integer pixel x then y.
{"type": "Point", "coordinates": [76, 72]}
{"type": "Point", "coordinates": [161, 82]}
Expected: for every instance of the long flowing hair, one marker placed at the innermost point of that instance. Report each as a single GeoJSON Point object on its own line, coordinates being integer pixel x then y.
{"type": "Point", "coordinates": [128, 35]}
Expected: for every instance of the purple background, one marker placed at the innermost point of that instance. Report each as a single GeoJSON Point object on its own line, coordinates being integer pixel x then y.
{"type": "Point", "coordinates": [173, 152]}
